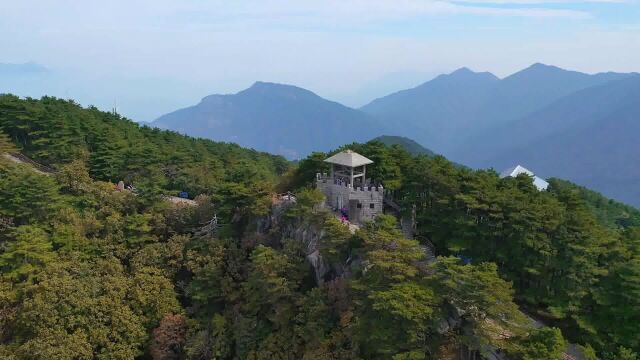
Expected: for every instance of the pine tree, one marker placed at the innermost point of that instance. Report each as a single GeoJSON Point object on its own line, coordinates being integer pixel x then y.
{"type": "Point", "coordinates": [6, 146]}
{"type": "Point", "coordinates": [27, 196]}
{"type": "Point", "coordinates": [26, 254]}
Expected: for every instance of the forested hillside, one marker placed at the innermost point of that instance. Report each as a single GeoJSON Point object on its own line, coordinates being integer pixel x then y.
{"type": "Point", "coordinates": [55, 132]}
{"type": "Point", "coordinates": [411, 146]}
{"type": "Point", "coordinates": [607, 211]}
{"type": "Point", "coordinates": [573, 257]}
{"type": "Point", "coordinates": [89, 272]}
{"type": "Point", "coordinates": [557, 122]}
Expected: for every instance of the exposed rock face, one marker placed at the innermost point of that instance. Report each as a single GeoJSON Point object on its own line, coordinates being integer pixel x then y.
{"type": "Point", "coordinates": [309, 233]}
{"type": "Point", "coordinates": [452, 320]}
{"type": "Point", "coordinates": [306, 232]}
{"type": "Point", "coordinates": [318, 265]}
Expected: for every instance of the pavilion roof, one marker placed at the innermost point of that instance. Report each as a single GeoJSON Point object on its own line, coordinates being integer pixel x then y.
{"type": "Point", "coordinates": [348, 158]}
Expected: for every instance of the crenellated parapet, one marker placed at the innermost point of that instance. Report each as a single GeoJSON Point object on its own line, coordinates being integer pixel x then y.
{"type": "Point", "coordinates": [346, 187]}
{"type": "Point", "coordinates": [322, 178]}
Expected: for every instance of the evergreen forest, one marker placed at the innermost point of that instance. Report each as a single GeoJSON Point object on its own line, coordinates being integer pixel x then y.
{"type": "Point", "coordinates": [89, 271]}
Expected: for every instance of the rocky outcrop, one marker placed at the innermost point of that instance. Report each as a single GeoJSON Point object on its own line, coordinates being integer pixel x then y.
{"type": "Point", "coordinates": [319, 266]}
{"type": "Point", "coordinates": [307, 231]}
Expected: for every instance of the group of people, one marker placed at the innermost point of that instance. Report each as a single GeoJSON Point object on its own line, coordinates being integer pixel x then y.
{"type": "Point", "coordinates": [344, 216]}
{"type": "Point", "coordinates": [121, 187]}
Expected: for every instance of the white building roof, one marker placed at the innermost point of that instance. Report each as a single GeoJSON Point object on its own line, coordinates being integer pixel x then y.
{"type": "Point", "coordinates": [539, 183]}
{"type": "Point", "coordinates": [348, 158]}
{"type": "Point", "coordinates": [515, 171]}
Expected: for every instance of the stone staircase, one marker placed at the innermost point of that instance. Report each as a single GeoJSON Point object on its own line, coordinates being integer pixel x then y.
{"type": "Point", "coordinates": [389, 201]}
{"type": "Point", "coordinates": [406, 227]}
{"type": "Point", "coordinates": [429, 249]}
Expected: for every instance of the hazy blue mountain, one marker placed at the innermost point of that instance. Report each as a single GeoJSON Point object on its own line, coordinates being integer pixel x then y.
{"type": "Point", "coordinates": [382, 86]}
{"type": "Point", "coordinates": [410, 145]}
{"type": "Point", "coordinates": [556, 122]}
{"type": "Point", "coordinates": [280, 119]}
{"type": "Point", "coordinates": [589, 137]}
{"type": "Point", "coordinates": [559, 123]}
{"type": "Point", "coordinates": [447, 111]}
{"type": "Point", "coordinates": [533, 88]}
{"type": "Point", "coordinates": [436, 111]}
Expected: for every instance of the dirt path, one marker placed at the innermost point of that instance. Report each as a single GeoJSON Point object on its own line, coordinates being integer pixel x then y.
{"type": "Point", "coordinates": [21, 159]}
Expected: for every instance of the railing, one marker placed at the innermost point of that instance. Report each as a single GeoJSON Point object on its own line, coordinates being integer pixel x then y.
{"type": "Point", "coordinates": [426, 242]}
{"type": "Point", "coordinates": [391, 202]}
{"type": "Point", "coordinates": [287, 196]}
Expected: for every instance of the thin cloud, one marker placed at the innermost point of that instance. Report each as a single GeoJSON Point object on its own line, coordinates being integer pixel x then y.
{"type": "Point", "coordinates": [537, 2]}
{"type": "Point", "coordinates": [332, 12]}
{"type": "Point", "coordinates": [248, 14]}
{"type": "Point", "coordinates": [158, 55]}
{"type": "Point", "coordinates": [524, 12]}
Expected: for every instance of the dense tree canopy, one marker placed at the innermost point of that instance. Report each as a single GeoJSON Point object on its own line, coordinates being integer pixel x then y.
{"type": "Point", "coordinates": [89, 272]}
{"type": "Point", "coordinates": [571, 254]}
{"type": "Point", "coordinates": [56, 132]}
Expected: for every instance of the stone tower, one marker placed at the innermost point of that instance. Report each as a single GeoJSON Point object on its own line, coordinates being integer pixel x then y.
{"type": "Point", "coordinates": [346, 187]}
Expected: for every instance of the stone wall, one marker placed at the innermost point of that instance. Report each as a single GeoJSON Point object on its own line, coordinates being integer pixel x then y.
{"type": "Point", "coordinates": [339, 195]}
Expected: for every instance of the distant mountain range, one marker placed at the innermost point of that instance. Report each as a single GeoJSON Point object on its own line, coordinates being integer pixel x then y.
{"type": "Point", "coordinates": [590, 137]}
{"type": "Point", "coordinates": [280, 119]}
{"type": "Point", "coordinates": [559, 123]}
{"type": "Point", "coordinates": [437, 111]}
{"type": "Point", "coordinates": [445, 112]}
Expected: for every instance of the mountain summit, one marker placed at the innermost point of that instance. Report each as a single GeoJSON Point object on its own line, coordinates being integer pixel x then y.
{"type": "Point", "coordinates": [278, 118]}
{"type": "Point", "coordinates": [437, 109]}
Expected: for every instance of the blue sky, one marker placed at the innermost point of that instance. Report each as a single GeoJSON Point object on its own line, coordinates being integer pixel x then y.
{"type": "Point", "coordinates": [151, 57]}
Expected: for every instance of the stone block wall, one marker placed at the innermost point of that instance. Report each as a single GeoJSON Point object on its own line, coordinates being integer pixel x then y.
{"type": "Point", "coordinates": [370, 199]}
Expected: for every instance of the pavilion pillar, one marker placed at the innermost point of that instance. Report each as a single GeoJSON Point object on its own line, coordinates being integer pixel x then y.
{"type": "Point", "coordinates": [351, 176]}
{"type": "Point", "coordinates": [364, 175]}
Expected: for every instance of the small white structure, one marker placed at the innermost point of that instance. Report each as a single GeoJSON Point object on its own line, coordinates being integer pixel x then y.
{"type": "Point", "coordinates": [539, 183]}
{"type": "Point", "coordinates": [346, 187]}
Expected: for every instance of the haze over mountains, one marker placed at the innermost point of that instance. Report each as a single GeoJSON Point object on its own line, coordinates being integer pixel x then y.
{"type": "Point", "coordinates": [560, 123]}
{"type": "Point", "coordinates": [590, 137]}
{"type": "Point", "coordinates": [435, 112]}
{"type": "Point", "coordinates": [281, 119]}
{"type": "Point", "coordinates": [444, 112]}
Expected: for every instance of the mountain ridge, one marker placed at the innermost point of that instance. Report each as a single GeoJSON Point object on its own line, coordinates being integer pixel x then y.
{"type": "Point", "coordinates": [592, 137]}
{"type": "Point", "coordinates": [470, 117]}
{"type": "Point", "coordinates": [248, 115]}
{"type": "Point", "coordinates": [411, 146]}
{"type": "Point", "coordinates": [425, 112]}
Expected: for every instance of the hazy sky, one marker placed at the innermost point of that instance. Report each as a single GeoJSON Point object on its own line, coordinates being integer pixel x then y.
{"type": "Point", "coordinates": [154, 56]}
